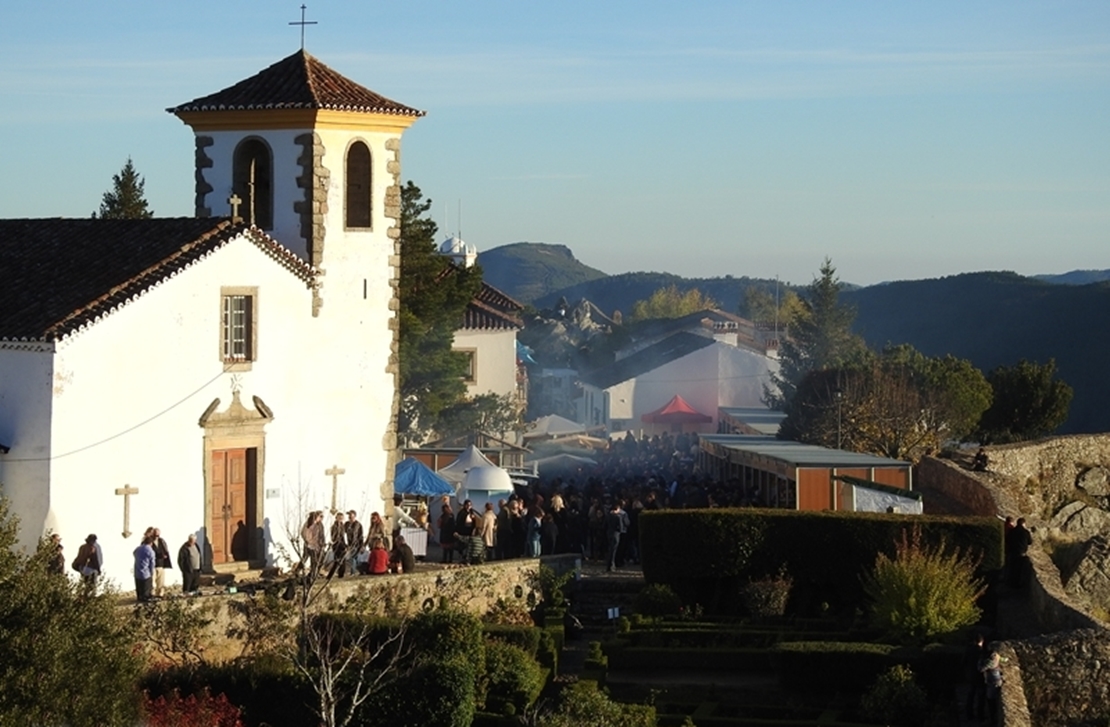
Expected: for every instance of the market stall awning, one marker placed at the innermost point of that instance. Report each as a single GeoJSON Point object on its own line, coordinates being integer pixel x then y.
{"type": "Point", "coordinates": [676, 411]}
{"type": "Point", "coordinates": [470, 458]}
{"type": "Point", "coordinates": [413, 477]}
{"type": "Point", "coordinates": [563, 462]}
{"type": "Point", "coordinates": [553, 425]}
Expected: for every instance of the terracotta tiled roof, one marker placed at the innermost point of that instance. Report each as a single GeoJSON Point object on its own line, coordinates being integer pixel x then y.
{"type": "Point", "coordinates": [491, 308]}
{"type": "Point", "coordinates": [59, 275]}
{"type": "Point", "coordinates": [297, 82]}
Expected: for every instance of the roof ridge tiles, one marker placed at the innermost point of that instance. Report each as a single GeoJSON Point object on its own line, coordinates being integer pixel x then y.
{"type": "Point", "coordinates": [297, 81]}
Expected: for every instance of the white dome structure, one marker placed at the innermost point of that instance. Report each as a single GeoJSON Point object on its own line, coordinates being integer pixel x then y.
{"type": "Point", "coordinates": [485, 484]}
{"type": "Point", "coordinates": [460, 253]}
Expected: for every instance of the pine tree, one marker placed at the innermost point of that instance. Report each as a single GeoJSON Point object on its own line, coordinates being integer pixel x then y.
{"type": "Point", "coordinates": [820, 337]}
{"type": "Point", "coordinates": [434, 295]}
{"type": "Point", "coordinates": [125, 201]}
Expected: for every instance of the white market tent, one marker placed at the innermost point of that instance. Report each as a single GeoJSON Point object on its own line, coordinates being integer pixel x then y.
{"type": "Point", "coordinates": [485, 484]}
{"type": "Point", "coordinates": [552, 426]}
{"type": "Point", "coordinates": [467, 460]}
{"type": "Point", "coordinates": [562, 462]}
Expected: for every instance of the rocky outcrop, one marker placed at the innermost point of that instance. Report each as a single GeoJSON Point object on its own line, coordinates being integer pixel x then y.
{"type": "Point", "coordinates": [1079, 521]}
{"type": "Point", "coordinates": [1091, 579]}
{"type": "Point", "coordinates": [1095, 482]}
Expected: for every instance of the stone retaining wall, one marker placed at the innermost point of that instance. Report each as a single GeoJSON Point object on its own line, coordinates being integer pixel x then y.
{"type": "Point", "coordinates": [954, 482]}
{"type": "Point", "coordinates": [473, 588]}
{"type": "Point", "coordinates": [1065, 678]}
{"type": "Point", "coordinates": [1046, 470]}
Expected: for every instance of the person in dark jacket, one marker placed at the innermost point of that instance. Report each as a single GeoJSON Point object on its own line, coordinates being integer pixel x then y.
{"type": "Point", "coordinates": [162, 561]}
{"type": "Point", "coordinates": [402, 559]}
{"type": "Point", "coordinates": [189, 561]}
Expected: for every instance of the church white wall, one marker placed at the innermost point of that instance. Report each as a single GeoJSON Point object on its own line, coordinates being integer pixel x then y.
{"type": "Point", "coordinates": [139, 380]}
{"type": "Point", "coordinates": [496, 358]}
{"type": "Point", "coordinates": [26, 384]}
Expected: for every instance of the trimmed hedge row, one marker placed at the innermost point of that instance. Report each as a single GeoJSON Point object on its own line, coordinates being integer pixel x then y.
{"type": "Point", "coordinates": [730, 638]}
{"type": "Point", "coordinates": [648, 658]}
{"type": "Point", "coordinates": [707, 555]}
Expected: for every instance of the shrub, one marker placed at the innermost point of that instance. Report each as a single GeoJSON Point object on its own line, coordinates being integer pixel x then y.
{"type": "Point", "coordinates": [266, 690]}
{"type": "Point", "coordinates": [547, 653]}
{"type": "Point", "coordinates": [444, 633]}
{"type": "Point", "coordinates": [504, 613]}
{"type": "Point", "coordinates": [895, 699]}
{"type": "Point", "coordinates": [439, 692]}
{"type": "Point", "coordinates": [767, 597]}
{"type": "Point", "coordinates": [657, 599]}
{"type": "Point", "coordinates": [512, 680]}
{"type": "Point", "coordinates": [195, 710]}
{"type": "Point", "coordinates": [923, 591]}
{"type": "Point", "coordinates": [595, 657]}
{"type": "Point", "coordinates": [583, 705]}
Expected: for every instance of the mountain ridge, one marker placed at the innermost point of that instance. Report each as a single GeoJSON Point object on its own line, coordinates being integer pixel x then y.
{"type": "Point", "coordinates": [991, 318]}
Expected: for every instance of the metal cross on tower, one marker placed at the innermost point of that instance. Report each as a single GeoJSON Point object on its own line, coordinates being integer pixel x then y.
{"type": "Point", "coordinates": [302, 22]}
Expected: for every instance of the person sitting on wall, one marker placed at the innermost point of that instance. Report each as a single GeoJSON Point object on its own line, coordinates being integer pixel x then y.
{"type": "Point", "coordinates": [981, 461]}
{"type": "Point", "coordinates": [378, 564]}
{"type": "Point", "coordinates": [401, 559]}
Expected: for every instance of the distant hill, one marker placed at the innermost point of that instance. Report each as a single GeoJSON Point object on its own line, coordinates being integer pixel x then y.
{"type": "Point", "coordinates": [995, 319]}
{"type": "Point", "coordinates": [620, 292]}
{"type": "Point", "coordinates": [1076, 277]}
{"type": "Point", "coordinates": [530, 270]}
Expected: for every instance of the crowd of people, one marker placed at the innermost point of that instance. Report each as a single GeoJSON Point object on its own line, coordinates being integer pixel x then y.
{"type": "Point", "coordinates": [346, 548]}
{"type": "Point", "coordinates": [152, 560]}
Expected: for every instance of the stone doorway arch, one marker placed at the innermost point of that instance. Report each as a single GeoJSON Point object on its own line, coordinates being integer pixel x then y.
{"type": "Point", "coordinates": [234, 488]}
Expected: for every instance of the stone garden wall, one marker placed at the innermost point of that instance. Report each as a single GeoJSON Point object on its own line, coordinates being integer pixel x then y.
{"type": "Point", "coordinates": [473, 588]}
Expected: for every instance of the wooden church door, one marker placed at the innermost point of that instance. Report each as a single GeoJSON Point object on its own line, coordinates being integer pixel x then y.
{"type": "Point", "coordinates": [232, 497]}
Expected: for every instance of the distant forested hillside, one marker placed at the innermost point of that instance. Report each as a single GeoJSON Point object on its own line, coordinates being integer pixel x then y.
{"type": "Point", "coordinates": [620, 292]}
{"type": "Point", "coordinates": [995, 319]}
{"type": "Point", "coordinates": [1076, 277]}
{"type": "Point", "coordinates": [530, 270]}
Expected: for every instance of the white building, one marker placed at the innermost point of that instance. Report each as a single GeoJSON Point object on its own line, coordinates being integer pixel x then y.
{"type": "Point", "coordinates": [707, 372]}
{"type": "Point", "coordinates": [488, 334]}
{"type": "Point", "coordinates": [212, 375]}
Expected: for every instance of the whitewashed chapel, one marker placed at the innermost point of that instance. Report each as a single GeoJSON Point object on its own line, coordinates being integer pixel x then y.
{"type": "Point", "coordinates": [222, 374]}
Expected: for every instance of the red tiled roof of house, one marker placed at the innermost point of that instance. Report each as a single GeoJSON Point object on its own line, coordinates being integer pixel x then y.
{"type": "Point", "coordinates": [60, 275]}
{"type": "Point", "coordinates": [297, 82]}
{"type": "Point", "coordinates": [491, 308]}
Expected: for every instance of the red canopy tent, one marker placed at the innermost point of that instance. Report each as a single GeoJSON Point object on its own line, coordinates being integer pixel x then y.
{"type": "Point", "coordinates": [676, 411]}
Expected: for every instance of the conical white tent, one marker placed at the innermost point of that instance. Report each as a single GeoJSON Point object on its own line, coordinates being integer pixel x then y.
{"type": "Point", "coordinates": [485, 484]}
{"type": "Point", "coordinates": [470, 458]}
{"type": "Point", "coordinates": [553, 425]}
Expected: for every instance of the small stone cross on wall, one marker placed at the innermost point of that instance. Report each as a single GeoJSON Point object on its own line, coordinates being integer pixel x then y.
{"type": "Point", "coordinates": [127, 491]}
{"type": "Point", "coordinates": [334, 473]}
{"type": "Point", "coordinates": [234, 201]}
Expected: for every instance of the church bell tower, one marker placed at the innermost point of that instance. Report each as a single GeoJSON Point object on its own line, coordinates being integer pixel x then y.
{"type": "Point", "coordinates": [308, 156]}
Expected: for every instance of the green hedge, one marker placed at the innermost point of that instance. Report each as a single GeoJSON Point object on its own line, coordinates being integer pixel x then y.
{"type": "Point", "coordinates": [728, 638]}
{"type": "Point", "coordinates": [647, 658]}
{"type": "Point", "coordinates": [526, 638]}
{"type": "Point", "coordinates": [513, 680]}
{"type": "Point", "coordinates": [707, 555]}
{"type": "Point", "coordinates": [829, 665]}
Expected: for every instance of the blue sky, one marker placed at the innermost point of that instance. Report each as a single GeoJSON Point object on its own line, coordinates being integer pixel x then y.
{"type": "Point", "coordinates": [903, 140]}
